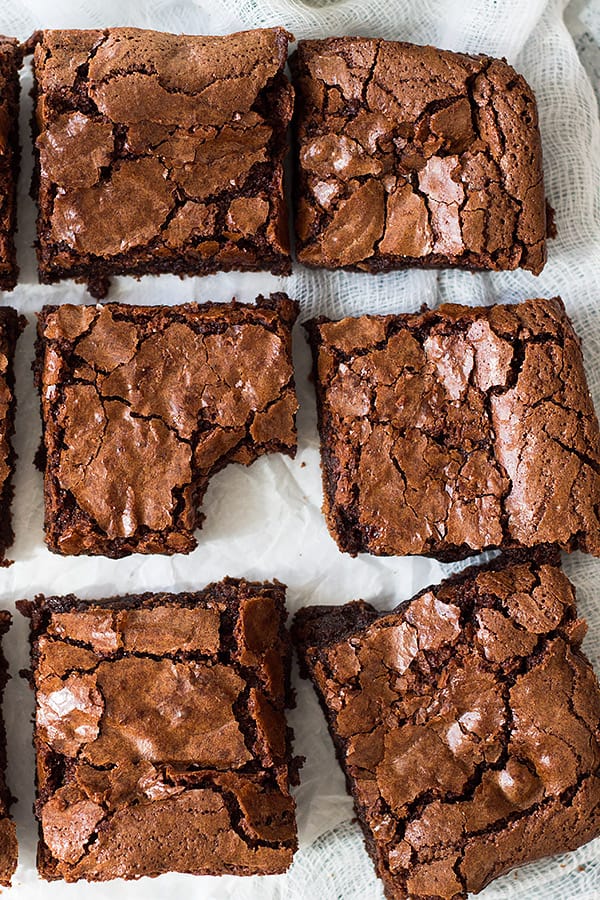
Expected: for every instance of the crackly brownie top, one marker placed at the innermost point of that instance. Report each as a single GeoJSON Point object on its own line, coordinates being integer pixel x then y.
{"type": "Point", "coordinates": [468, 722]}
{"type": "Point", "coordinates": [413, 152]}
{"type": "Point", "coordinates": [141, 402]}
{"type": "Point", "coordinates": [457, 429]}
{"type": "Point", "coordinates": [160, 705]}
{"type": "Point", "coordinates": [145, 136]}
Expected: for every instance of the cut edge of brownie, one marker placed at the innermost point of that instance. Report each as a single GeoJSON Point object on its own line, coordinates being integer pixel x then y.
{"type": "Point", "coordinates": [11, 326]}
{"type": "Point", "coordinates": [229, 591]}
{"type": "Point", "coordinates": [96, 272]}
{"type": "Point", "coordinates": [8, 839]}
{"type": "Point", "coordinates": [342, 526]}
{"type": "Point", "coordinates": [11, 60]}
{"type": "Point", "coordinates": [315, 628]}
{"type": "Point", "coordinates": [287, 310]}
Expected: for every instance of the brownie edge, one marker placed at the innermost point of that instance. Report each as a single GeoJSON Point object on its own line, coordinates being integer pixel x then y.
{"type": "Point", "coordinates": [11, 59]}
{"type": "Point", "coordinates": [9, 850]}
{"type": "Point", "coordinates": [11, 326]}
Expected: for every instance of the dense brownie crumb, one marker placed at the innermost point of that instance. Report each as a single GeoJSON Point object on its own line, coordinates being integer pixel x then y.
{"type": "Point", "coordinates": [457, 429]}
{"type": "Point", "coordinates": [467, 724]}
{"type": "Point", "coordinates": [160, 153]}
{"type": "Point", "coordinates": [9, 850]}
{"type": "Point", "coordinates": [11, 58]}
{"type": "Point", "coordinates": [142, 404]}
{"type": "Point", "coordinates": [413, 156]}
{"type": "Point", "coordinates": [160, 733]}
{"type": "Point", "coordinates": [11, 325]}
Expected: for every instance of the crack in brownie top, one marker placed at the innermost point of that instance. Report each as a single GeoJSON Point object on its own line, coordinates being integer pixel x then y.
{"type": "Point", "coordinates": [467, 722]}
{"type": "Point", "coordinates": [142, 404]}
{"type": "Point", "coordinates": [457, 429]}
{"type": "Point", "coordinates": [410, 155]}
{"type": "Point", "coordinates": [163, 712]}
{"type": "Point", "coordinates": [159, 152]}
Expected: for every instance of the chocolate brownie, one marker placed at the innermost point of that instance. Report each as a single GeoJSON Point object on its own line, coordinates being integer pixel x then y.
{"type": "Point", "coordinates": [9, 850]}
{"type": "Point", "coordinates": [466, 722]}
{"type": "Point", "coordinates": [11, 325]}
{"type": "Point", "coordinates": [457, 429]}
{"type": "Point", "coordinates": [160, 733]}
{"type": "Point", "coordinates": [413, 156]}
{"type": "Point", "coordinates": [160, 153]}
{"type": "Point", "coordinates": [11, 58]}
{"type": "Point", "coordinates": [142, 404]}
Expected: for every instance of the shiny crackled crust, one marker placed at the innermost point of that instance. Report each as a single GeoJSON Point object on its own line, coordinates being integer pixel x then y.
{"type": "Point", "coordinates": [457, 429]}
{"type": "Point", "coordinates": [141, 405]}
{"type": "Point", "coordinates": [413, 156]}
{"type": "Point", "coordinates": [160, 153]}
{"type": "Point", "coordinates": [11, 325]}
{"type": "Point", "coordinates": [466, 722]}
{"type": "Point", "coordinates": [160, 733]}
{"type": "Point", "coordinates": [11, 58]}
{"type": "Point", "coordinates": [9, 850]}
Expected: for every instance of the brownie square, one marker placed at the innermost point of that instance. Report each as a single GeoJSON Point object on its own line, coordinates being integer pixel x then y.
{"type": "Point", "coordinates": [142, 404]}
{"type": "Point", "coordinates": [456, 430]}
{"type": "Point", "coordinates": [466, 722]}
{"type": "Point", "coordinates": [9, 851]}
{"type": "Point", "coordinates": [413, 156]}
{"type": "Point", "coordinates": [160, 733]}
{"type": "Point", "coordinates": [11, 325]}
{"type": "Point", "coordinates": [11, 58]}
{"type": "Point", "coordinates": [160, 153]}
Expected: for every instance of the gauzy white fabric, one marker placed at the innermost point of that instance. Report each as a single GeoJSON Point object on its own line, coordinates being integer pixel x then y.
{"type": "Point", "coordinates": [265, 521]}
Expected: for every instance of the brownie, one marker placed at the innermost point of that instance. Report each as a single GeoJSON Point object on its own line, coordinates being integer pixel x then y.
{"type": "Point", "coordinates": [11, 325]}
{"type": "Point", "coordinates": [142, 404]}
{"type": "Point", "coordinates": [414, 156]}
{"type": "Point", "coordinates": [466, 722]}
{"type": "Point", "coordinates": [456, 430]}
{"type": "Point", "coordinates": [160, 733]}
{"type": "Point", "coordinates": [160, 153]}
{"type": "Point", "coordinates": [11, 58]}
{"type": "Point", "coordinates": [9, 850]}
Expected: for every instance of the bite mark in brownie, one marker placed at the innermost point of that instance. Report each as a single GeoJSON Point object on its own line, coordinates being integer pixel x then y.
{"type": "Point", "coordinates": [142, 404]}
{"type": "Point", "coordinates": [414, 156]}
{"type": "Point", "coordinates": [160, 733]}
{"type": "Point", "coordinates": [457, 429]}
{"type": "Point", "coordinates": [9, 851]}
{"type": "Point", "coordinates": [160, 153]}
{"type": "Point", "coordinates": [466, 722]}
{"type": "Point", "coordinates": [11, 58]}
{"type": "Point", "coordinates": [11, 325]}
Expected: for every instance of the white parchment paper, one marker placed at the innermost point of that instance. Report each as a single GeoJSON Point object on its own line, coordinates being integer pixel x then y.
{"type": "Point", "coordinates": [264, 522]}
